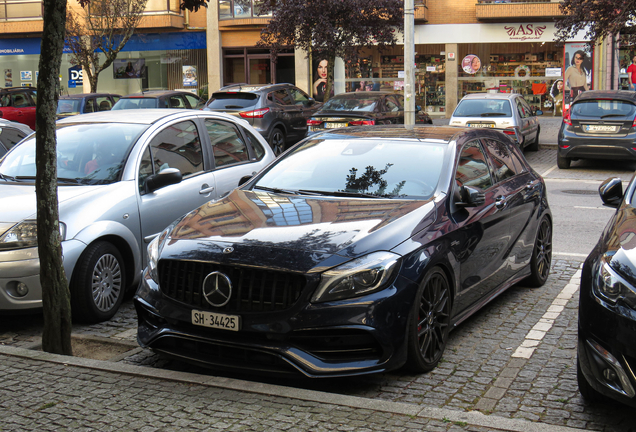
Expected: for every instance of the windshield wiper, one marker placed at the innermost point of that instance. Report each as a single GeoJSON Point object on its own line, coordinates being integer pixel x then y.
{"type": "Point", "coordinates": [277, 190]}
{"type": "Point", "coordinates": [6, 177]}
{"type": "Point", "coordinates": [68, 180]}
{"type": "Point", "coordinates": [340, 194]}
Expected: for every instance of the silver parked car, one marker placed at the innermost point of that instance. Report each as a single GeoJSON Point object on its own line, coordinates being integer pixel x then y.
{"type": "Point", "coordinates": [122, 178]}
{"type": "Point", "coordinates": [506, 111]}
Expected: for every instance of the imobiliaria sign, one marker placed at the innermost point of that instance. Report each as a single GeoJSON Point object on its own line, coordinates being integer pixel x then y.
{"type": "Point", "coordinates": [525, 32]}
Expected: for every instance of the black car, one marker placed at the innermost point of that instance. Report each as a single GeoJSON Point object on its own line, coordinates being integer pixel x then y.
{"type": "Point", "coordinates": [362, 108]}
{"type": "Point", "coordinates": [598, 125]}
{"type": "Point", "coordinates": [11, 133]}
{"type": "Point", "coordinates": [606, 358]}
{"type": "Point", "coordinates": [83, 103]}
{"type": "Point", "coordinates": [278, 111]}
{"type": "Point", "coordinates": [160, 99]}
{"type": "Point", "coordinates": [355, 252]}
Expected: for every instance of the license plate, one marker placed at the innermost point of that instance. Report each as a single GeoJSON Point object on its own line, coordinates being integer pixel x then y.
{"type": "Point", "coordinates": [481, 125]}
{"type": "Point", "coordinates": [335, 125]}
{"type": "Point", "coordinates": [216, 320]}
{"type": "Point", "coordinates": [601, 128]}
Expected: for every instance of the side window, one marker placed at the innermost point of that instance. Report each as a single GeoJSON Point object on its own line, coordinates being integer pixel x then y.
{"type": "Point", "coordinates": [472, 168]}
{"type": "Point", "coordinates": [527, 108]}
{"type": "Point", "coordinates": [227, 145]}
{"type": "Point", "coordinates": [391, 104]}
{"type": "Point", "coordinates": [10, 137]}
{"type": "Point", "coordinates": [90, 106]}
{"type": "Point", "coordinates": [280, 97]}
{"type": "Point", "coordinates": [176, 102]}
{"type": "Point", "coordinates": [34, 97]}
{"type": "Point", "coordinates": [299, 97]}
{"type": "Point", "coordinates": [194, 102]}
{"type": "Point", "coordinates": [259, 152]}
{"type": "Point", "coordinates": [502, 162]}
{"type": "Point", "coordinates": [178, 146]}
{"type": "Point", "coordinates": [103, 104]}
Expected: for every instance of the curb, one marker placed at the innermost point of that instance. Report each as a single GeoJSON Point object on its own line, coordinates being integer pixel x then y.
{"type": "Point", "coordinates": [472, 418]}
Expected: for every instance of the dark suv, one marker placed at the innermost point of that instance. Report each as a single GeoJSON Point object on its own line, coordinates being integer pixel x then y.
{"type": "Point", "coordinates": [18, 104]}
{"type": "Point", "coordinates": [278, 111]}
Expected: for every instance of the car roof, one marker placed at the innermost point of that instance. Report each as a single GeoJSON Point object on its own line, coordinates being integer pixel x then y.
{"type": "Point", "coordinates": [400, 132]}
{"type": "Point", "coordinates": [17, 89]}
{"type": "Point", "coordinates": [252, 88]}
{"type": "Point", "coordinates": [8, 123]}
{"type": "Point", "coordinates": [491, 96]}
{"type": "Point", "coordinates": [83, 95]}
{"type": "Point", "coordinates": [607, 94]}
{"type": "Point", "coordinates": [140, 116]}
{"type": "Point", "coordinates": [156, 94]}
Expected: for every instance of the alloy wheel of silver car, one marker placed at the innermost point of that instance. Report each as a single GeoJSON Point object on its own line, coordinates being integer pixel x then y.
{"type": "Point", "coordinates": [98, 283]}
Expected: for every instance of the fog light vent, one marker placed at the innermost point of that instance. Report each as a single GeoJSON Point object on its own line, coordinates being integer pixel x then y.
{"type": "Point", "coordinates": [17, 289]}
{"type": "Point", "coordinates": [615, 376]}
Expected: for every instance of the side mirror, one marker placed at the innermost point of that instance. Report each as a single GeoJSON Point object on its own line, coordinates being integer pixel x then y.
{"type": "Point", "coordinates": [470, 197]}
{"type": "Point", "coordinates": [611, 192]}
{"type": "Point", "coordinates": [244, 180]}
{"type": "Point", "coordinates": [168, 176]}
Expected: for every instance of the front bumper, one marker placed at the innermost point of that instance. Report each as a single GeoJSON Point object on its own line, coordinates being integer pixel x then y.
{"type": "Point", "coordinates": [606, 348]}
{"type": "Point", "coordinates": [344, 338]}
{"type": "Point", "coordinates": [23, 266]}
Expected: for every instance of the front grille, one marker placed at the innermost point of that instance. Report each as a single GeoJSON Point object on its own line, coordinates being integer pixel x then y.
{"type": "Point", "coordinates": [253, 290]}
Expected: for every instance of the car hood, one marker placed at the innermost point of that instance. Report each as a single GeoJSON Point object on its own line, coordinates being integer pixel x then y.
{"type": "Point", "coordinates": [294, 232]}
{"type": "Point", "coordinates": [17, 201]}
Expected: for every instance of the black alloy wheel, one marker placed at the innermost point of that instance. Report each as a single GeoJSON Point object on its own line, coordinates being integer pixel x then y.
{"type": "Point", "coordinates": [541, 255]}
{"type": "Point", "coordinates": [277, 141]}
{"type": "Point", "coordinates": [429, 322]}
{"type": "Point", "coordinates": [98, 283]}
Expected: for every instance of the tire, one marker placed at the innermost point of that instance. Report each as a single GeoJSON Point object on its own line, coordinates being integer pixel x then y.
{"type": "Point", "coordinates": [563, 162]}
{"type": "Point", "coordinates": [587, 392]}
{"type": "Point", "coordinates": [541, 255]}
{"type": "Point", "coordinates": [276, 141]}
{"type": "Point", "coordinates": [428, 325]}
{"type": "Point", "coordinates": [535, 144]}
{"type": "Point", "coordinates": [98, 283]}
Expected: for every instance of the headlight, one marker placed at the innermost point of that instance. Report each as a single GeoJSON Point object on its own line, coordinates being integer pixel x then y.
{"type": "Point", "coordinates": [24, 235]}
{"type": "Point", "coordinates": [154, 250]}
{"type": "Point", "coordinates": [358, 277]}
{"type": "Point", "coordinates": [612, 287]}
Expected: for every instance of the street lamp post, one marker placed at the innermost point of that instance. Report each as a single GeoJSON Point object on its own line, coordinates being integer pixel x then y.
{"type": "Point", "coordinates": [409, 63]}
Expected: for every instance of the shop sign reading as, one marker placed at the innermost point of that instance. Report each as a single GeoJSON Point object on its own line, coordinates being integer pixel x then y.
{"type": "Point", "coordinates": [525, 32]}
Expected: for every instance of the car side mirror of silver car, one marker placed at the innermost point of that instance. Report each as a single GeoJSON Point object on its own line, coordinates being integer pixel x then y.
{"type": "Point", "coordinates": [470, 197]}
{"type": "Point", "coordinates": [166, 177]}
{"type": "Point", "coordinates": [611, 192]}
{"type": "Point", "coordinates": [245, 179]}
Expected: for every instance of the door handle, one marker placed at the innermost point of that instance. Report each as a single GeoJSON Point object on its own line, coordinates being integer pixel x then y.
{"type": "Point", "coordinates": [500, 201]}
{"type": "Point", "coordinates": [205, 189]}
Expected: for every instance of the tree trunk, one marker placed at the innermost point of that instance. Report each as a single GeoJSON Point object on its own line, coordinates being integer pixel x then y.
{"type": "Point", "coordinates": [56, 336]}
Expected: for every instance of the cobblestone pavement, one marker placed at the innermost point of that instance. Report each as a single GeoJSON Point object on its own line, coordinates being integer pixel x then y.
{"type": "Point", "coordinates": [492, 366]}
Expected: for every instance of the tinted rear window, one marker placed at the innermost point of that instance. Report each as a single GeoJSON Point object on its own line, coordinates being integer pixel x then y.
{"type": "Point", "coordinates": [232, 100]}
{"type": "Point", "coordinates": [600, 108]}
{"type": "Point", "coordinates": [483, 108]}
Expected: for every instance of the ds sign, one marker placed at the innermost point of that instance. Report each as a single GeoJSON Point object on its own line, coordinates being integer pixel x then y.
{"type": "Point", "coordinates": [76, 74]}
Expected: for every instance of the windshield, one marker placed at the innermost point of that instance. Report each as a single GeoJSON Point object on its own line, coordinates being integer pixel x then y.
{"type": "Point", "coordinates": [68, 106]}
{"type": "Point", "coordinates": [86, 153]}
{"type": "Point", "coordinates": [232, 100]}
{"type": "Point", "coordinates": [602, 108]}
{"type": "Point", "coordinates": [483, 108]}
{"type": "Point", "coordinates": [350, 104]}
{"type": "Point", "coordinates": [139, 103]}
{"type": "Point", "coordinates": [371, 167]}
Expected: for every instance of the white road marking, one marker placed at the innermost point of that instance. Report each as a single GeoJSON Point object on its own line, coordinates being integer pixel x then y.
{"type": "Point", "coordinates": [538, 332]}
{"type": "Point", "coordinates": [549, 171]}
{"type": "Point", "coordinates": [569, 254]}
{"type": "Point", "coordinates": [595, 208]}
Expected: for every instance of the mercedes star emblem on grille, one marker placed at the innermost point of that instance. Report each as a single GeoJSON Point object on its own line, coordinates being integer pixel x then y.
{"type": "Point", "coordinates": [217, 289]}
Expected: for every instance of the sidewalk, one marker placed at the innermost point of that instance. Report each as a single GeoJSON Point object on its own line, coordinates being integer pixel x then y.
{"type": "Point", "coordinates": [48, 392]}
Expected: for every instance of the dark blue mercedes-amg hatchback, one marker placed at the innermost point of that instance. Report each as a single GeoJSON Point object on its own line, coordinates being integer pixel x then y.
{"type": "Point", "coordinates": [357, 251]}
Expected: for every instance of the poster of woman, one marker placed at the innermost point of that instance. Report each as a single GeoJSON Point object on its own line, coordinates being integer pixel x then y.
{"type": "Point", "coordinates": [320, 79]}
{"type": "Point", "coordinates": [578, 66]}
{"type": "Point", "coordinates": [471, 64]}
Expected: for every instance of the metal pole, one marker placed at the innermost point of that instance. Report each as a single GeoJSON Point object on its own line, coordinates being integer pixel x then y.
{"type": "Point", "coordinates": [409, 63]}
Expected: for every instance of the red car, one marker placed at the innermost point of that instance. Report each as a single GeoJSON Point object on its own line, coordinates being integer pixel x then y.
{"type": "Point", "coordinates": [18, 104]}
